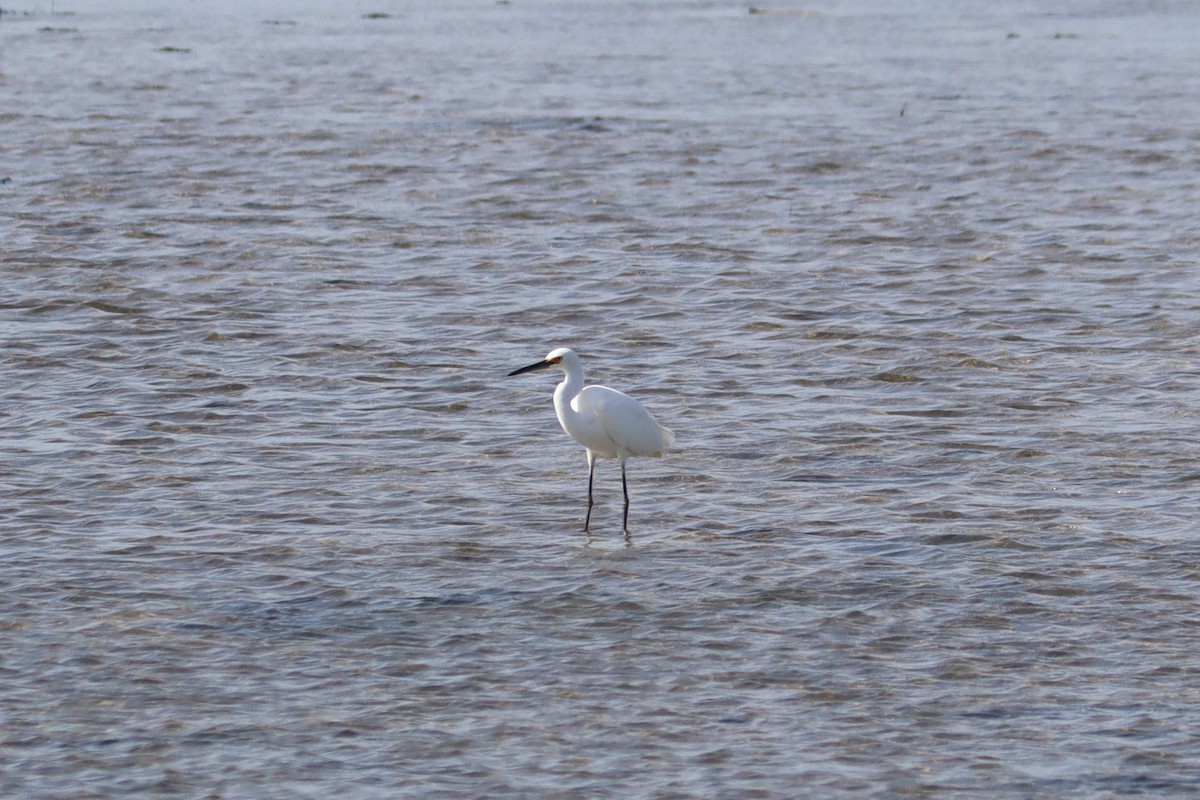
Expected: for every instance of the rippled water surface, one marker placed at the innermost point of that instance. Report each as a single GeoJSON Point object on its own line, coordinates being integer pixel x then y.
{"type": "Point", "coordinates": [915, 285]}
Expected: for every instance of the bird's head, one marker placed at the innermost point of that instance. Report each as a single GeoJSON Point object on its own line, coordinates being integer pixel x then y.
{"type": "Point", "coordinates": [561, 357]}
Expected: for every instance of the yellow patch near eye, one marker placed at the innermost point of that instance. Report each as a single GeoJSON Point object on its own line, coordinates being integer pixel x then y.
{"type": "Point", "coordinates": [557, 360]}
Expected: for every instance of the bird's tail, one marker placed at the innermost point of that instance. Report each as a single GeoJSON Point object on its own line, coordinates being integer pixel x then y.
{"type": "Point", "coordinates": [668, 436]}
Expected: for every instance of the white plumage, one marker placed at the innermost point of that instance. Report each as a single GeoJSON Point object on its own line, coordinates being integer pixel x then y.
{"type": "Point", "coordinates": [608, 423]}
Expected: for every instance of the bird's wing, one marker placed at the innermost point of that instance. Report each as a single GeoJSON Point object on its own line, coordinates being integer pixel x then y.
{"type": "Point", "coordinates": [625, 421]}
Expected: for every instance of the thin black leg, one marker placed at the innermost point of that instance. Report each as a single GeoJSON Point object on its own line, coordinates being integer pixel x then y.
{"type": "Point", "coordinates": [625, 488]}
{"type": "Point", "coordinates": [591, 472]}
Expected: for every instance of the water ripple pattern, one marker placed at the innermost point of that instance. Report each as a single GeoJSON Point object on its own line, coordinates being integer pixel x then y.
{"type": "Point", "coordinates": [913, 283]}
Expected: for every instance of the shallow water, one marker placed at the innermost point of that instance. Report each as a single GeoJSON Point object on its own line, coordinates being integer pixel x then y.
{"type": "Point", "coordinates": [914, 288]}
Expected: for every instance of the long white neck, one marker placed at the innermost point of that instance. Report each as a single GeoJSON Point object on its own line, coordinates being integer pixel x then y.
{"type": "Point", "coordinates": [565, 392]}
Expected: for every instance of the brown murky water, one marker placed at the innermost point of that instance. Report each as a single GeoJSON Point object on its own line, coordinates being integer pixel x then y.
{"type": "Point", "coordinates": [916, 289]}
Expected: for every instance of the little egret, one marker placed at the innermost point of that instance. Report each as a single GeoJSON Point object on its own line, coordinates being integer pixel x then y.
{"type": "Point", "coordinates": [608, 423]}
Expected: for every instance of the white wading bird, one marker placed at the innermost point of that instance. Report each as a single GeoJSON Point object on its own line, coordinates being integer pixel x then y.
{"type": "Point", "coordinates": [608, 423]}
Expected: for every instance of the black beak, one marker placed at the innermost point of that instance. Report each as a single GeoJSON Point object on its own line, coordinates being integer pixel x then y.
{"type": "Point", "coordinates": [539, 365]}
